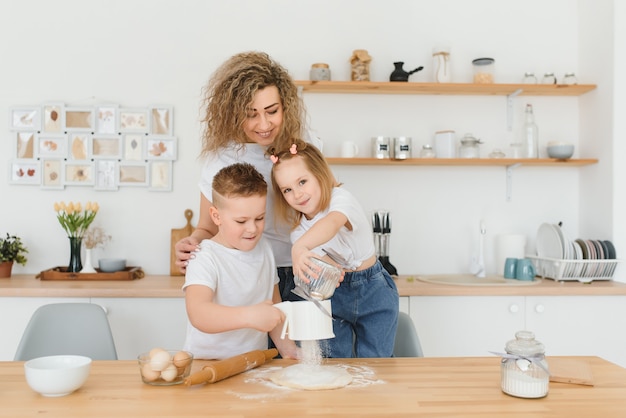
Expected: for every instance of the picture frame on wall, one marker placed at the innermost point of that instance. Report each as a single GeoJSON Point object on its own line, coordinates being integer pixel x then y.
{"type": "Point", "coordinates": [133, 173]}
{"type": "Point", "coordinates": [24, 172]}
{"type": "Point", "coordinates": [161, 120]}
{"type": "Point", "coordinates": [25, 118]}
{"type": "Point", "coordinates": [24, 144]}
{"type": "Point", "coordinates": [133, 147]}
{"type": "Point", "coordinates": [160, 176]}
{"type": "Point", "coordinates": [79, 173]}
{"type": "Point", "coordinates": [79, 119]}
{"type": "Point", "coordinates": [160, 148]}
{"type": "Point", "coordinates": [51, 146]}
{"type": "Point", "coordinates": [79, 146]}
{"type": "Point", "coordinates": [106, 119]}
{"type": "Point", "coordinates": [52, 174]}
{"type": "Point", "coordinates": [133, 120]}
{"type": "Point", "coordinates": [106, 146]}
{"type": "Point", "coordinates": [106, 175]}
{"type": "Point", "coordinates": [53, 118]}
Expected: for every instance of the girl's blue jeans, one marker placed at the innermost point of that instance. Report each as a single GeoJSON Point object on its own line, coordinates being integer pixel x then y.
{"type": "Point", "coordinates": [365, 310]}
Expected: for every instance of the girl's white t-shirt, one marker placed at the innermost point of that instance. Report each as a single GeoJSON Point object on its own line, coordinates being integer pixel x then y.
{"type": "Point", "coordinates": [347, 248]}
{"type": "Point", "coordinates": [238, 278]}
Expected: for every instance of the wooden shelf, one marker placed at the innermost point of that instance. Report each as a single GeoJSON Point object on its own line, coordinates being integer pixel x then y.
{"type": "Point", "coordinates": [502, 162]}
{"type": "Point", "coordinates": [371, 87]}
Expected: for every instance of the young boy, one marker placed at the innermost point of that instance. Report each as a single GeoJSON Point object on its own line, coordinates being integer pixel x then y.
{"type": "Point", "coordinates": [231, 284]}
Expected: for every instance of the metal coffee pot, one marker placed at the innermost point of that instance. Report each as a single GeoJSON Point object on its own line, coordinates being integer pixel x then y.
{"type": "Point", "coordinates": [399, 74]}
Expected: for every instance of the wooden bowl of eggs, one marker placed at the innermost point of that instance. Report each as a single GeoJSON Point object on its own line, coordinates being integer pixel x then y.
{"type": "Point", "coordinates": [164, 367]}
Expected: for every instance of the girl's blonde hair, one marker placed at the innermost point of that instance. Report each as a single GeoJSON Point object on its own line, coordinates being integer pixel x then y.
{"type": "Point", "coordinates": [230, 91]}
{"type": "Point", "coordinates": [315, 163]}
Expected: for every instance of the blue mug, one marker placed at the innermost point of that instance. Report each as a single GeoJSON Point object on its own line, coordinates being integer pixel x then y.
{"type": "Point", "coordinates": [510, 268]}
{"type": "Point", "coordinates": [525, 269]}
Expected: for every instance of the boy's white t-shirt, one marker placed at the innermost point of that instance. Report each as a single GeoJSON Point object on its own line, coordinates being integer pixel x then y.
{"type": "Point", "coordinates": [347, 248]}
{"type": "Point", "coordinates": [238, 278]}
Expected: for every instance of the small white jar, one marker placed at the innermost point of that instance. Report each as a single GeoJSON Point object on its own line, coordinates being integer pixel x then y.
{"type": "Point", "coordinates": [319, 72]}
{"type": "Point", "coordinates": [524, 372]}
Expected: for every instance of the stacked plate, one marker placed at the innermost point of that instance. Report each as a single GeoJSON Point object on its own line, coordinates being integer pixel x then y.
{"type": "Point", "coordinates": [594, 255]}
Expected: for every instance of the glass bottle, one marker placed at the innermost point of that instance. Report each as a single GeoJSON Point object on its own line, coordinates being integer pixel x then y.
{"type": "Point", "coordinates": [530, 135]}
{"type": "Point", "coordinates": [524, 370]}
{"type": "Point", "coordinates": [441, 65]}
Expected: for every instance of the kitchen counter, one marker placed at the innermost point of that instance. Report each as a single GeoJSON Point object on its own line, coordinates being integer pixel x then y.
{"type": "Point", "coordinates": [399, 387]}
{"type": "Point", "coordinates": [158, 286]}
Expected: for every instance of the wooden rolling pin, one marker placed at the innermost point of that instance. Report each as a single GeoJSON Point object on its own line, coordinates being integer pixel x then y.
{"type": "Point", "coordinates": [222, 369]}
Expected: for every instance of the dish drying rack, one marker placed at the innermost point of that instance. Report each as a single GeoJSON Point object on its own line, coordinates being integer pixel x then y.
{"type": "Point", "coordinates": [584, 271]}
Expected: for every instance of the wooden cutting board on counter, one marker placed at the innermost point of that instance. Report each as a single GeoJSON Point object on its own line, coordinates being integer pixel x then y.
{"type": "Point", "coordinates": [177, 235]}
{"type": "Point", "coordinates": [564, 370]}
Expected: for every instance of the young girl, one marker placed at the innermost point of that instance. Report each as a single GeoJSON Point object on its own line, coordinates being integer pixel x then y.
{"type": "Point", "coordinates": [329, 223]}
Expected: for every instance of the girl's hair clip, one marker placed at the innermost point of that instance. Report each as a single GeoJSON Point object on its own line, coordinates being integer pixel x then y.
{"type": "Point", "coordinates": [274, 158]}
{"type": "Point", "coordinates": [294, 149]}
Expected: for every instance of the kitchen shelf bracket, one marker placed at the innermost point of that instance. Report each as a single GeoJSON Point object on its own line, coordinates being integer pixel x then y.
{"type": "Point", "coordinates": [509, 181]}
{"type": "Point", "coordinates": [509, 108]}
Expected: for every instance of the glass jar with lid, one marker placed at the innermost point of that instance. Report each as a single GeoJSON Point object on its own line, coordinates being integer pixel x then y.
{"type": "Point", "coordinates": [529, 78]}
{"type": "Point", "coordinates": [483, 70]}
{"type": "Point", "coordinates": [469, 147]}
{"type": "Point", "coordinates": [570, 78]}
{"type": "Point", "coordinates": [427, 151]}
{"type": "Point", "coordinates": [319, 72]}
{"type": "Point", "coordinates": [548, 78]}
{"type": "Point", "coordinates": [524, 370]}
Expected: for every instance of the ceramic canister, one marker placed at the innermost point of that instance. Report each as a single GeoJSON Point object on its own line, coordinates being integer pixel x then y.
{"type": "Point", "coordinates": [401, 148]}
{"type": "Point", "coordinates": [381, 147]}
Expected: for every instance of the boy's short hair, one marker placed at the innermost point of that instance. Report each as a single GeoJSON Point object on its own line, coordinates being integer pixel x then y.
{"type": "Point", "coordinates": [238, 180]}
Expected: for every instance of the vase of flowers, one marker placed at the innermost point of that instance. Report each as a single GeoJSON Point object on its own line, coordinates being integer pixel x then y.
{"type": "Point", "coordinates": [75, 221]}
{"type": "Point", "coordinates": [94, 237]}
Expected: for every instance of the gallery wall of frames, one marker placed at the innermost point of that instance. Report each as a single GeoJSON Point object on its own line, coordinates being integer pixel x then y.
{"type": "Point", "coordinates": [105, 146]}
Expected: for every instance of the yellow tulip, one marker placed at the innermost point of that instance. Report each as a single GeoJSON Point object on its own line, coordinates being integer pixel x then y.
{"type": "Point", "coordinates": [57, 207]}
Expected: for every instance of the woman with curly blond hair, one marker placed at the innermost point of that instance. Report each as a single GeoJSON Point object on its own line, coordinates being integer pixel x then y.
{"type": "Point", "coordinates": [251, 103]}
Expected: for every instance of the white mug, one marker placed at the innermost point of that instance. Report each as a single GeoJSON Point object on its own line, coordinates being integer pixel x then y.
{"type": "Point", "coordinates": [305, 321]}
{"type": "Point", "coordinates": [349, 149]}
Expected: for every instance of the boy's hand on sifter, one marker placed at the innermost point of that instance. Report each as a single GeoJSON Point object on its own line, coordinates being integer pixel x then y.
{"type": "Point", "coordinates": [264, 316]}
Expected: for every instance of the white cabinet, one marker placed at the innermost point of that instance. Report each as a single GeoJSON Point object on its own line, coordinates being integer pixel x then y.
{"type": "Point", "coordinates": [566, 325]}
{"type": "Point", "coordinates": [466, 326]}
{"type": "Point", "coordinates": [580, 325]}
{"type": "Point", "coordinates": [140, 324]}
{"type": "Point", "coordinates": [14, 316]}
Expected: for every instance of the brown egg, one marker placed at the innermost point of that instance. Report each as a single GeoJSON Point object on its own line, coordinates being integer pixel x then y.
{"type": "Point", "coordinates": [148, 374]}
{"type": "Point", "coordinates": [182, 359]}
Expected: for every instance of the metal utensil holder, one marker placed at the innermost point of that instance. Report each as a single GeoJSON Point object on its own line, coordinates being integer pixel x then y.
{"type": "Point", "coordinates": [574, 270]}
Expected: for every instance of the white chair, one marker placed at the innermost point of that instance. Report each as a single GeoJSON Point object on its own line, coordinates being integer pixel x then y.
{"type": "Point", "coordinates": [67, 328]}
{"type": "Point", "coordinates": [407, 342]}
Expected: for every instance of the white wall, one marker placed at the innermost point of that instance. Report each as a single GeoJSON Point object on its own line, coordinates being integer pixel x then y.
{"type": "Point", "coordinates": [137, 52]}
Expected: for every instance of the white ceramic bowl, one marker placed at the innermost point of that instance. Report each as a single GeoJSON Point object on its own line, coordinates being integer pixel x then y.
{"type": "Point", "coordinates": [560, 150]}
{"type": "Point", "coordinates": [57, 375]}
{"type": "Point", "coordinates": [164, 367]}
{"type": "Point", "coordinates": [111, 265]}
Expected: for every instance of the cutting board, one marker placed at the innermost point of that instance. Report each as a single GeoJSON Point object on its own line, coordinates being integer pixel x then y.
{"type": "Point", "coordinates": [177, 235]}
{"type": "Point", "coordinates": [566, 370]}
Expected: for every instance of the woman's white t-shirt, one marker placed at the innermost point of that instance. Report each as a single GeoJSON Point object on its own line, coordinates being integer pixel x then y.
{"type": "Point", "coordinates": [238, 278]}
{"type": "Point", "coordinates": [348, 248]}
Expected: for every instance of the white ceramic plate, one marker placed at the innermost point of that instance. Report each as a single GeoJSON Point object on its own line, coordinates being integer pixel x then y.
{"type": "Point", "coordinates": [549, 243]}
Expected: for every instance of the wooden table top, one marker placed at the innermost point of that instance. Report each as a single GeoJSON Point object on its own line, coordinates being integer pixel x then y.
{"type": "Point", "coordinates": [398, 387]}
{"type": "Point", "coordinates": [156, 286]}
